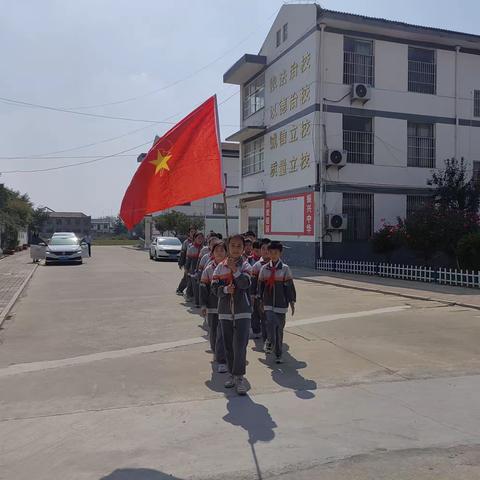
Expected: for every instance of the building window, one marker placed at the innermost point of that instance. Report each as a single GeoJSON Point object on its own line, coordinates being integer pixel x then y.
{"type": "Point", "coordinates": [218, 208]}
{"type": "Point", "coordinates": [252, 157]}
{"type": "Point", "coordinates": [359, 210]}
{"type": "Point", "coordinates": [416, 203]}
{"type": "Point", "coordinates": [421, 145]}
{"type": "Point", "coordinates": [358, 139]}
{"type": "Point", "coordinates": [253, 224]}
{"type": "Point", "coordinates": [285, 32]}
{"type": "Point", "coordinates": [59, 221]}
{"type": "Point", "coordinates": [254, 96]}
{"type": "Point", "coordinates": [422, 70]}
{"type": "Point", "coordinates": [476, 103]}
{"type": "Point", "coordinates": [358, 61]}
{"type": "Point", "coordinates": [279, 37]}
{"type": "Point", "coordinates": [77, 221]}
{"type": "Point", "coordinates": [476, 173]}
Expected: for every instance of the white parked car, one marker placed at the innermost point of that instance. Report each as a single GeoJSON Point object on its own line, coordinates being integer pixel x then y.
{"type": "Point", "coordinates": [165, 248]}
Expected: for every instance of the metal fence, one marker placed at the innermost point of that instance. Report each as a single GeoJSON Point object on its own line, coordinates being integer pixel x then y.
{"type": "Point", "coordinates": [443, 276]}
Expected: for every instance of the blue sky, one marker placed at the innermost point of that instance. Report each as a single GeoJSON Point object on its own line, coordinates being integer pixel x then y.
{"type": "Point", "coordinates": [75, 54]}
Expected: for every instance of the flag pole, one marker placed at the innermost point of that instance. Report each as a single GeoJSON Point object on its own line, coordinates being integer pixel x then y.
{"type": "Point", "coordinates": [225, 205]}
{"type": "Point", "coordinates": [224, 175]}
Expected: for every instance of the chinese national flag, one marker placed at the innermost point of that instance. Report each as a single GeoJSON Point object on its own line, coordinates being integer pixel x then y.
{"type": "Point", "coordinates": [184, 165]}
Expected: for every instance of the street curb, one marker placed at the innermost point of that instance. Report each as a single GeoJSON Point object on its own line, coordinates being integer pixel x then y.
{"type": "Point", "coordinates": [4, 313]}
{"type": "Point", "coordinates": [393, 292]}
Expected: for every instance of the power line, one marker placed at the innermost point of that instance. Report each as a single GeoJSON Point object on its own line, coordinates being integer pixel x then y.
{"type": "Point", "coordinates": [60, 167]}
{"type": "Point", "coordinates": [10, 101]}
{"type": "Point", "coordinates": [106, 140]}
{"type": "Point", "coordinates": [103, 157]}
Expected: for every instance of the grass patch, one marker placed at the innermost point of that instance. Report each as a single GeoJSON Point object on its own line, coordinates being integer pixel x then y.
{"type": "Point", "coordinates": [102, 242]}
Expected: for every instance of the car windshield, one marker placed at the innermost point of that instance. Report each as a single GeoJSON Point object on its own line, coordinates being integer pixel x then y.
{"type": "Point", "coordinates": [169, 241]}
{"type": "Point", "coordinates": [64, 241]}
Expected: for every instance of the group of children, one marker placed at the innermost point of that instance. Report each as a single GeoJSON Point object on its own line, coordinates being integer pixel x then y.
{"type": "Point", "coordinates": [244, 290]}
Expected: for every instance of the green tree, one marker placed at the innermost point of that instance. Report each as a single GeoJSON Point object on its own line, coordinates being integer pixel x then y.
{"type": "Point", "coordinates": [15, 214]}
{"type": "Point", "coordinates": [177, 223]}
{"type": "Point", "coordinates": [38, 219]}
{"type": "Point", "coordinates": [119, 227]}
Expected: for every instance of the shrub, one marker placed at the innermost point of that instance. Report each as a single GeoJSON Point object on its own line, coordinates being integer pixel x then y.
{"type": "Point", "coordinates": [468, 251]}
{"type": "Point", "coordinates": [386, 240]}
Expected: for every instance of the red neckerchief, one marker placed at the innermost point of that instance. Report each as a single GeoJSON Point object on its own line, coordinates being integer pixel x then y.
{"type": "Point", "coordinates": [255, 257]}
{"type": "Point", "coordinates": [271, 280]}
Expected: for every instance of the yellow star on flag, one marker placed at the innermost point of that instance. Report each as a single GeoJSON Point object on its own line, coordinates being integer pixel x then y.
{"type": "Point", "coordinates": [161, 162]}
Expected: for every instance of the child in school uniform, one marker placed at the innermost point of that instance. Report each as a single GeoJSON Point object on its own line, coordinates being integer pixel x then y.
{"type": "Point", "coordinates": [255, 255]}
{"type": "Point", "coordinates": [259, 329]}
{"type": "Point", "coordinates": [191, 264]}
{"type": "Point", "coordinates": [248, 250]}
{"type": "Point", "coordinates": [231, 283]}
{"type": "Point", "coordinates": [182, 259]}
{"type": "Point", "coordinates": [277, 291]}
{"type": "Point", "coordinates": [209, 302]}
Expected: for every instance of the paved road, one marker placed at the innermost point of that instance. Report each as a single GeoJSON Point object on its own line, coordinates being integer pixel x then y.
{"type": "Point", "coordinates": [104, 375]}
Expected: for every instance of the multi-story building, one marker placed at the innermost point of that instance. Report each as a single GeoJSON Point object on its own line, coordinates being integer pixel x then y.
{"type": "Point", "coordinates": [76, 222]}
{"type": "Point", "coordinates": [343, 119]}
{"type": "Point", "coordinates": [103, 225]}
{"type": "Point", "coordinates": [212, 209]}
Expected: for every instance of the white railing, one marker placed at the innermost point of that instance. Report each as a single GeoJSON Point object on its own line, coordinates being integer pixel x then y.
{"type": "Point", "coordinates": [460, 278]}
{"type": "Point", "coordinates": [444, 276]}
{"type": "Point", "coordinates": [406, 272]}
{"type": "Point", "coordinates": [364, 268]}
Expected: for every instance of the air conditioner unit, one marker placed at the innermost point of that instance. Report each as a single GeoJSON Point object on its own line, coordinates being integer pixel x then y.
{"type": "Point", "coordinates": [361, 92]}
{"type": "Point", "coordinates": [336, 158]}
{"type": "Point", "coordinates": [336, 221]}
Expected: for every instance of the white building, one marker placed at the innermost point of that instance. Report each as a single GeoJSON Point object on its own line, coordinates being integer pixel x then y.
{"type": "Point", "coordinates": [326, 161]}
{"type": "Point", "coordinates": [103, 225]}
{"type": "Point", "coordinates": [211, 209]}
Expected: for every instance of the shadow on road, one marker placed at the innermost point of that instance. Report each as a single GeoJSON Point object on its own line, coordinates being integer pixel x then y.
{"type": "Point", "coordinates": [287, 375]}
{"type": "Point", "coordinates": [138, 474]}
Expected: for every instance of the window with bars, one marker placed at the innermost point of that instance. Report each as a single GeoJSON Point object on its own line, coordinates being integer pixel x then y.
{"type": "Point", "coordinates": [476, 103]}
{"type": "Point", "coordinates": [358, 139]}
{"type": "Point", "coordinates": [421, 145]}
{"type": "Point", "coordinates": [358, 61]}
{"type": "Point", "coordinates": [218, 208]}
{"type": "Point", "coordinates": [422, 70]}
{"type": "Point", "coordinates": [359, 210]}
{"type": "Point", "coordinates": [252, 158]}
{"type": "Point", "coordinates": [476, 173]}
{"type": "Point", "coordinates": [254, 96]}
{"type": "Point", "coordinates": [416, 203]}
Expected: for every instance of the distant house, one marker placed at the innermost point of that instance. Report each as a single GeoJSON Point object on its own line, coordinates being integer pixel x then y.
{"type": "Point", "coordinates": [103, 225]}
{"type": "Point", "coordinates": [76, 222]}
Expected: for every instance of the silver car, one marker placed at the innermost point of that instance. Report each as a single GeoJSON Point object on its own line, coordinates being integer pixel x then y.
{"type": "Point", "coordinates": [65, 250]}
{"type": "Point", "coordinates": [167, 248]}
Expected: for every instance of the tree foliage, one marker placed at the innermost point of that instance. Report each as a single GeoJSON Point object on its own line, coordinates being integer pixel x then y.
{"type": "Point", "coordinates": [15, 214]}
{"type": "Point", "coordinates": [177, 223]}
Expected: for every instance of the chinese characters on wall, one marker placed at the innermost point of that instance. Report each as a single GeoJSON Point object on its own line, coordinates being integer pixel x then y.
{"type": "Point", "coordinates": [290, 103]}
{"type": "Point", "coordinates": [291, 202]}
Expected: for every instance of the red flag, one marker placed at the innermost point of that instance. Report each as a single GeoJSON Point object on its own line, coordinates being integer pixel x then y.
{"type": "Point", "coordinates": [184, 165]}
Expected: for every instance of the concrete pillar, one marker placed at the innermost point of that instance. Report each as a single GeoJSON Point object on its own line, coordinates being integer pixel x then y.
{"type": "Point", "coordinates": [243, 217]}
{"type": "Point", "coordinates": [148, 231]}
